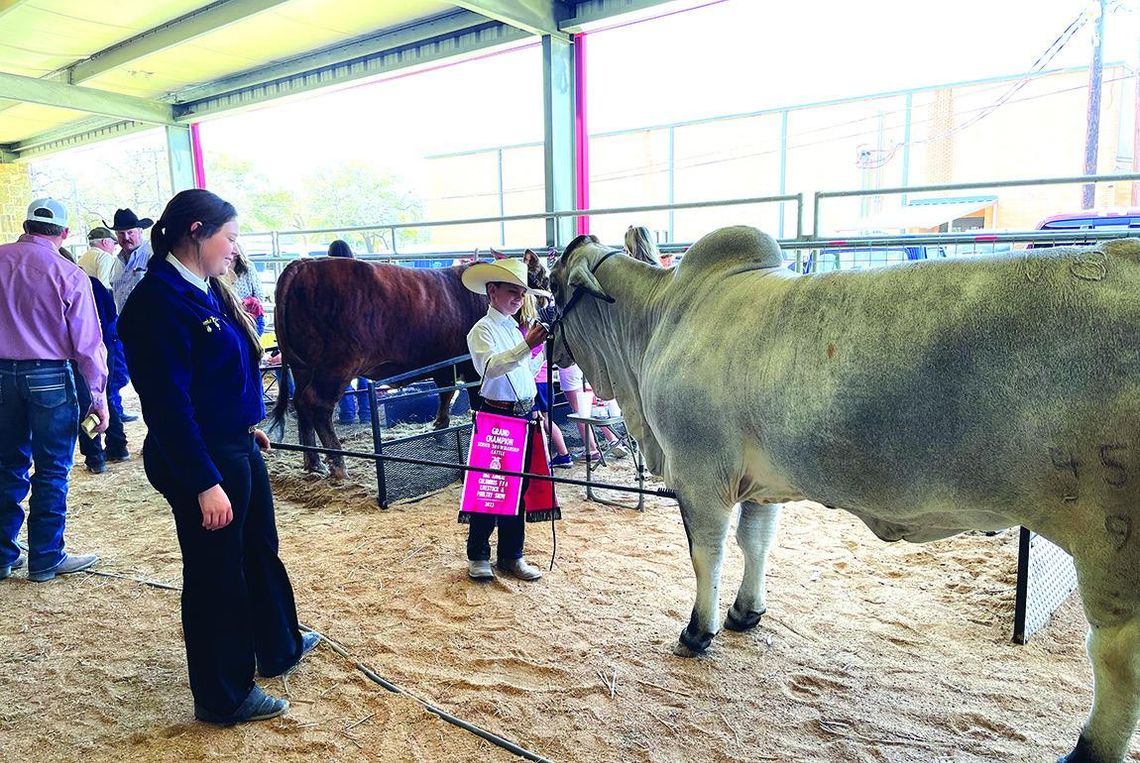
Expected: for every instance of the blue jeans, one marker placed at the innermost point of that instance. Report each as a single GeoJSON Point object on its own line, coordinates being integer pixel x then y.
{"type": "Point", "coordinates": [118, 377]}
{"type": "Point", "coordinates": [348, 406]}
{"type": "Point", "coordinates": [39, 419]}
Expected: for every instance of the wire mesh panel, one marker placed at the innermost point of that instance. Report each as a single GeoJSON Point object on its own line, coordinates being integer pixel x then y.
{"type": "Point", "coordinates": [403, 482]}
{"type": "Point", "coordinates": [1045, 578]}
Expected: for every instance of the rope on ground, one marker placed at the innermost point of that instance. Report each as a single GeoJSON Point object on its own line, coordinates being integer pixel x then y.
{"type": "Point", "coordinates": [375, 677]}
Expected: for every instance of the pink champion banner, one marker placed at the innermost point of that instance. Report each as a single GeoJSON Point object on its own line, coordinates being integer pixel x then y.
{"type": "Point", "coordinates": [497, 442]}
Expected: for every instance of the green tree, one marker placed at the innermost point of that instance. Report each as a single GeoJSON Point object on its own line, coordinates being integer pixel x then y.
{"type": "Point", "coordinates": [355, 193]}
{"type": "Point", "coordinates": [261, 205]}
{"type": "Point", "coordinates": [130, 172]}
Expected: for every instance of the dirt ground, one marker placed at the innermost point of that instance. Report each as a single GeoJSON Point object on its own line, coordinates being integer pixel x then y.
{"type": "Point", "coordinates": [869, 652]}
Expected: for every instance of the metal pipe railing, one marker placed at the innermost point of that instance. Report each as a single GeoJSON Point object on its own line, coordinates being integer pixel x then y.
{"type": "Point", "coordinates": [390, 226]}
{"type": "Point", "coordinates": [1023, 183]}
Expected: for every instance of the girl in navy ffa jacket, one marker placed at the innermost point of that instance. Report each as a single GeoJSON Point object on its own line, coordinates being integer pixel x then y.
{"type": "Point", "coordinates": [193, 356]}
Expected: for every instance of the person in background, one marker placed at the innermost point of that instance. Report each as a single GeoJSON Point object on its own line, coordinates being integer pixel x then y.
{"type": "Point", "coordinates": [354, 402]}
{"type": "Point", "coordinates": [134, 256]}
{"type": "Point", "coordinates": [47, 320]}
{"type": "Point", "coordinates": [99, 261]}
{"type": "Point", "coordinates": [573, 386]}
{"type": "Point", "coordinates": [526, 317]}
{"type": "Point", "coordinates": [95, 455]}
{"type": "Point", "coordinates": [639, 245]}
{"type": "Point", "coordinates": [246, 283]}
{"type": "Point", "coordinates": [340, 248]}
{"type": "Point", "coordinates": [193, 355]}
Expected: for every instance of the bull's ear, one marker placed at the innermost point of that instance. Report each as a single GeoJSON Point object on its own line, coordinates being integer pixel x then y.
{"type": "Point", "coordinates": [582, 278]}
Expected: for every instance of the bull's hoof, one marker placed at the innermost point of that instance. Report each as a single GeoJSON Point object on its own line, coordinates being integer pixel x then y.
{"type": "Point", "coordinates": [681, 650]}
{"type": "Point", "coordinates": [741, 623]}
{"type": "Point", "coordinates": [689, 645]}
{"type": "Point", "coordinates": [338, 473]}
{"type": "Point", "coordinates": [316, 470]}
{"type": "Point", "coordinates": [440, 424]}
{"type": "Point", "coordinates": [1082, 753]}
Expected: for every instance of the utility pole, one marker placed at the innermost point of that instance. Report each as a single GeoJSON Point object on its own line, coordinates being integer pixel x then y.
{"type": "Point", "coordinates": [1096, 75]}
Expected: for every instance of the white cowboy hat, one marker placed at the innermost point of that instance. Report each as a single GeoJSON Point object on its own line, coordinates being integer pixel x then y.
{"type": "Point", "coordinates": [512, 271]}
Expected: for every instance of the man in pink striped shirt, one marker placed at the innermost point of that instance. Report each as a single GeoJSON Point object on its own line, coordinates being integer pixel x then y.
{"type": "Point", "coordinates": [47, 318]}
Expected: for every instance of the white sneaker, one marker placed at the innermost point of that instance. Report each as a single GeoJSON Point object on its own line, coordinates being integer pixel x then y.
{"type": "Point", "coordinates": [619, 451]}
{"type": "Point", "coordinates": [479, 569]}
{"type": "Point", "coordinates": [521, 570]}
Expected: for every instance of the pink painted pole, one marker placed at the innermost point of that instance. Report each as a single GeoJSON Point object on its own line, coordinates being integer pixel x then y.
{"type": "Point", "coordinates": [196, 153]}
{"type": "Point", "coordinates": [581, 135]}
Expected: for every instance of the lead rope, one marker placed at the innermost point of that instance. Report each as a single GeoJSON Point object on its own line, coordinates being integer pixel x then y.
{"type": "Point", "coordinates": [556, 327]}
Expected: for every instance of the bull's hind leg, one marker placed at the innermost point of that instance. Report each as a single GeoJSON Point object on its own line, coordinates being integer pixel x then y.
{"type": "Point", "coordinates": [706, 524]}
{"type": "Point", "coordinates": [755, 534]}
{"type": "Point", "coordinates": [446, 378]}
{"type": "Point", "coordinates": [304, 404]}
{"type": "Point", "coordinates": [1106, 564]}
{"type": "Point", "coordinates": [318, 397]}
{"type": "Point", "coordinates": [1115, 655]}
{"type": "Point", "coordinates": [323, 423]}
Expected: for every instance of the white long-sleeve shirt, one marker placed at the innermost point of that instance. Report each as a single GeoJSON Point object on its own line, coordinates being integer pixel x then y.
{"type": "Point", "coordinates": [103, 265]}
{"type": "Point", "coordinates": [502, 357]}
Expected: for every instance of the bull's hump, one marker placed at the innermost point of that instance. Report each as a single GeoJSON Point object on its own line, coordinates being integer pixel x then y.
{"type": "Point", "coordinates": [740, 244]}
{"type": "Point", "coordinates": [1126, 248]}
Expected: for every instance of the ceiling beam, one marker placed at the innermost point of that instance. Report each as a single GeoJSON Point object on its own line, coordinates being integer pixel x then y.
{"type": "Point", "coordinates": [73, 135]}
{"type": "Point", "coordinates": [534, 16]}
{"type": "Point", "coordinates": [195, 24]}
{"type": "Point", "coordinates": [358, 49]}
{"type": "Point", "coordinates": [588, 12]}
{"type": "Point", "coordinates": [488, 34]}
{"type": "Point", "coordinates": [47, 93]}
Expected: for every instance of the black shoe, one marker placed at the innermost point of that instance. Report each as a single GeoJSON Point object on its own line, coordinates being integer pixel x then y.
{"type": "Point", "coordinates": [118, 457]}
{"type": "Point", "coordinates": [129, 416]}
{"type": "Point", "coordinates": [96, 467]}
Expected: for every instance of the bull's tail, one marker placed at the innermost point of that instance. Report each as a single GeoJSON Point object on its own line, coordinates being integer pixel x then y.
{"type": "Point", "coordinates": [276, 428]}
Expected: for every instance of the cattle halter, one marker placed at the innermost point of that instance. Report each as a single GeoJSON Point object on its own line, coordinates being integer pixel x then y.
{"type": "Point", "coordinates": [556, 324]}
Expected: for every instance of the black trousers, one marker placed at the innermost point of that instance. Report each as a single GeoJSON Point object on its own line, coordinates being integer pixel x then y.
{"type": "Point", "coordinates": [512, 529]}
{"type": "Point", "coordinates": [116, 438]}
{"type": "Point", "coordinates": [512, 533]}
{"type": "Point", "coordinates": [237, 603]}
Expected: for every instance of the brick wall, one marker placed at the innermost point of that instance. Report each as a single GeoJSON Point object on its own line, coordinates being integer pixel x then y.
{"type": "Point", "coordinates": [15, 194]}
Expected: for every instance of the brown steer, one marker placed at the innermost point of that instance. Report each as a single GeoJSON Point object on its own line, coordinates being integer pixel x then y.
{"type": "Point", "coordinates": [337, 319]}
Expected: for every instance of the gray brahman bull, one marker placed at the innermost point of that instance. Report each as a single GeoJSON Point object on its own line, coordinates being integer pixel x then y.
{"type": "Point", "coordinates": [926, 399]}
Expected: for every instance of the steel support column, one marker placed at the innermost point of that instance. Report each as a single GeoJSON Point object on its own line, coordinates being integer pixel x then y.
{"type": "Point", "coordinates": [180, 154]}
{"type": "Point", "coordinates": [558, 136]}
{"type": "Point", "coordinates": [198, 157]}
{"type": "Point", "coordinates": [581, 135]}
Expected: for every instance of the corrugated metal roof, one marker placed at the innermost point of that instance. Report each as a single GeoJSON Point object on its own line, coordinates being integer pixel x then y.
{"type": "Point", "coordinates": [195, 57]}
{"type": "Point", "coordinates": [42, 38]}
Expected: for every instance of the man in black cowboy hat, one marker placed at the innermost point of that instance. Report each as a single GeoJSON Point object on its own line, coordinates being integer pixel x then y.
{"type": "Point", "coordinates": [134, 254]}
